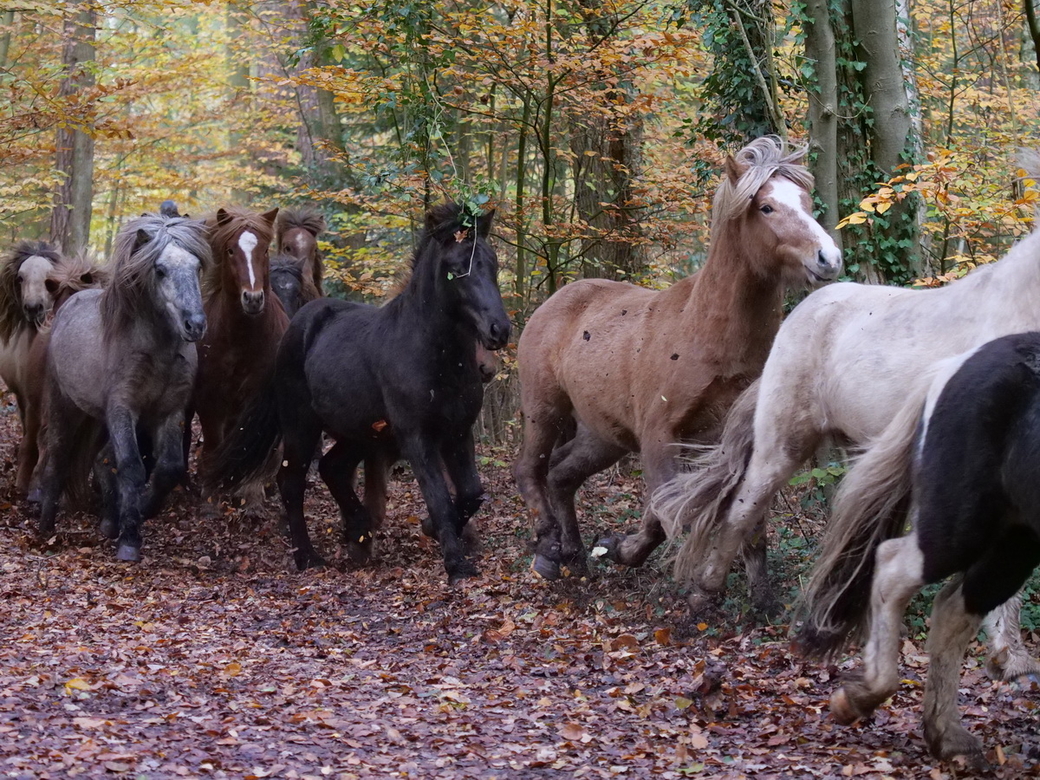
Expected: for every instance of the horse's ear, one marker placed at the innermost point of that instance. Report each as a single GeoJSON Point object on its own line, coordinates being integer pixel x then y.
{"type": "Point", "coordinates": [142, 238]}
{"type": "Point", "coordinates": [87, 278]}
{"type": "Point", "coordinates": [734, 170]}
{"type": "Point", "coordinates": [484, 223]}
{"type": "Point", "coordinates": [223, 217]}
{"type": "Point", "coordinates": [270, 216]}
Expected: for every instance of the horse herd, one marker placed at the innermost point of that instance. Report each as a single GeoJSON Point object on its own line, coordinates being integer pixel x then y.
{"type": "Point", "coordinates": [938, 391]}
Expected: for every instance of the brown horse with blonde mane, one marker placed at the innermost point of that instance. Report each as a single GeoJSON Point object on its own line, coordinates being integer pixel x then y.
{"type": "Point", "coordinates": [246, 321]}
{"type": "Point", "coordinates": [640, 369]}
{"type": "Point", "coordinates": [296, 235]}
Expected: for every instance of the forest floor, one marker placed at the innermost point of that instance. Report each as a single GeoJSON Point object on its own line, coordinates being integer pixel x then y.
{"type": "Point", "coordinates": [213, 657]}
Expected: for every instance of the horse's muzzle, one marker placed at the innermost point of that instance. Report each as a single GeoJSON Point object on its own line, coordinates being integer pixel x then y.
{"type": "Point", "coordinates": [194, 326]}
{"type": "Point", "coordinates": [253, 302]}
{"type": "Point", "coordinates": [497, 335]}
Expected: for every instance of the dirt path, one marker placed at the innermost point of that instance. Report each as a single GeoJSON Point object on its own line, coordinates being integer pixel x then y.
{"type": "Point", "coordinates": [212, 658]}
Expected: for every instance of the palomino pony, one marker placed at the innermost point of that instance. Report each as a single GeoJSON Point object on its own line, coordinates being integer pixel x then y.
{"type": "Point", "coordinates": [69, 277]}
{"type": "Point", "coordinates": [402, 378]}
{"type": "Point", "coordinates": [970, 458]}
{"type": "Point", "coordinates": [26, 297]}
{"type": "Point", "coordinates": [844, 362]}
{"type": "Point", "coordinates": [296, 235]}
{"type": "Point", "coordinates": [120, 365]}
{"type": "Point", "coordinates": [246, 322]}
{"type": "Point", "coordinates": [640, 369]}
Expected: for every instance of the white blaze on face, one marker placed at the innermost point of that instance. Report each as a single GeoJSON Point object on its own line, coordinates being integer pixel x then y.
{"type": "Point", "coordinates": [247, 243]}
{"type": "Point", "coordinates": [789, 194]}
{"type": "Point", "coordinates": [181, 266]}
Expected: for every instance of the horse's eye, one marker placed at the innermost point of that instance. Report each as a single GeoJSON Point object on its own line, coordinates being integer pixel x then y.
{"type": "Point", "coordinates": [160, 272]}
{"type": "Point", "coordinates": [767, 209]}
{"type": "Point", "coordinates": [230, 251]}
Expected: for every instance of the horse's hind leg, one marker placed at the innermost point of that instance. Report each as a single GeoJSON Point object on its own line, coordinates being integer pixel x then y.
{"type": "Point", "coordinates": [586, 454]}
{"type": "Point", "coordinates": [65, 427]}
{"type": "Point", "coordinates": [301, 434]}
{"type": "Point", "coordinates": [337, 468]}
{"type": "Point", "coordinates": [898, 576]}
{"type": "Point", "coordinates": [543, 424]}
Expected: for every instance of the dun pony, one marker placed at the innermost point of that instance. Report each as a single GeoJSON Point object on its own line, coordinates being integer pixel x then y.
{"type": "Point", "coordinates": [639, 369]}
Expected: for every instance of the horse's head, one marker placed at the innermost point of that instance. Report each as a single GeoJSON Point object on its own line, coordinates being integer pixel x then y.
{"type": "Point", "coordinates": [469, 269]}
{"type": "Point", "coordinates": [287, 282]}
{"type": "Point", "coordinates": [297, 232]}
{"type": "Point", "coordinates": [765, 197]}
{"type": "Point", "coordinates": [245, 260]}
{"type": "Point", "coordinates": [36, 287]}
{"type": "Point", "coordinates": [175, 289]}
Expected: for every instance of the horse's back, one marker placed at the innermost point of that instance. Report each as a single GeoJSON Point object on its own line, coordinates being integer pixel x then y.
{"type": "Point", "coordinates": [76, 355]}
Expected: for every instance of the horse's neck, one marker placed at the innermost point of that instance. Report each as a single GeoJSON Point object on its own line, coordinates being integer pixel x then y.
{"type": "Point", "coordinates": [739, 308]}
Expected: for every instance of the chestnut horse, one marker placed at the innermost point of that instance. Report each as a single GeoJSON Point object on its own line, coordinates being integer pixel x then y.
{"type": "Point", "coordinates": [640, 369]}
{"type": "Point", "coordinates": [246, 321]}
{"type": "Point", "coordinates": [296, 235]}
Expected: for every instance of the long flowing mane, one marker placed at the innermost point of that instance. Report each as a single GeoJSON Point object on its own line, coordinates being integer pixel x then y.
{"type": "Point", "coordinates": [761, 159]}
{"type": "Point", "coordinates": [80, 272]}
{"type": "Point", "coordinates": [139, 244]}
{"type": "Point", "coordinates": [12, 319]}
{"type": "Point", "coordinates": [220, 236]}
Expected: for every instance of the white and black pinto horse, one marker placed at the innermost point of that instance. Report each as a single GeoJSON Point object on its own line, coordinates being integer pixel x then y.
{"type": "Point", "coordinates": [971, 456]}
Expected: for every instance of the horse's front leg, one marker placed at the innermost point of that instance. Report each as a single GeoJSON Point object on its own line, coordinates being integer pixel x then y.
{"type": "Point", "coordinates": [131, 478]}
{"type": "Point", "coordinates": [427, 465]}
{"type": "Point", "coordinates": [169, 464]}
{"type": "Point", "coordinates": [461, 462]}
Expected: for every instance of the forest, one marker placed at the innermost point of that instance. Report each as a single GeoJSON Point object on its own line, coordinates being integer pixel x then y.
{"type": "Point", "coordinates": [597, 133]}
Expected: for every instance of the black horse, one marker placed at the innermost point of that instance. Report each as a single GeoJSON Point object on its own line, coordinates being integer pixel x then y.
{"type": "Point", "coordinates": [972, 457]}
{"type": "Point", "coordinates": [399, 379]}
{"type": "Point", "coordinates": [287, 282]}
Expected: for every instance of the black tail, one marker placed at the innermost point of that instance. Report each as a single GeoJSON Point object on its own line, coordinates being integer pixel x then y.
{"type": "Point", "coordinates": [245, 453]}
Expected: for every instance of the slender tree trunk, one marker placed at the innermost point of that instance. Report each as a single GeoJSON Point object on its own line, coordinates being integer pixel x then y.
{"type": "Point", "coordinates": [1033, 27]}
{"type": "Point", "coordinates": [6, 23]}
{"type": "Point", "coordinates": [823, 112]}
{"type": "Point", "coordinates": [70, 218]}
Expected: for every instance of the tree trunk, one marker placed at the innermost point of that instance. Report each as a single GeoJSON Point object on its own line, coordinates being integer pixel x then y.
{"type": "Point", "coordinates": [874, 25]}
{"type": "Point", "coordinates": [1033, 27]}
{"type": "Point", "coordinates": [6, 23]}
{"type": "Point", "coordinates": [70, 218]}
{"type": "Point", "coordinates": [823, 112]}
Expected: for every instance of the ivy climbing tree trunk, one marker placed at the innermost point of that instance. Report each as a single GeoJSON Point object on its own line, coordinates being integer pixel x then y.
{"type": "Point", "coordinates": [70, 217]}
{"type": "Point", "coordinates": [823, 112]}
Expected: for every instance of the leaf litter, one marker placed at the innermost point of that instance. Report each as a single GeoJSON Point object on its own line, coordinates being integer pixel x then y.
{"type": "Point", "coordinates": [213, 658]}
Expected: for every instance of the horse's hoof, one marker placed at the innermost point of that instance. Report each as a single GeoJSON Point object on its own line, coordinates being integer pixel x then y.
{"type": "Point", "coordinates": [109, 529]}
{"type": "Point", "coordinates": [462, 572]}
{"type": "Point", "coordinates": [956, 744]}
{"type": "Point", "coordinates": [700, 601]}
{"type": "Point", "coordinates": [607, 548]}
{"type": "Point", "coordinates": [842, 708]}
{"type": "Point", "coordinates": [129, 553]}
{"type": "Point", "coordinates": [428, 528]}
{"type": "Point", "coordinates": [308, 560]}
{"type": "Point", "coordinates": [34, 496]}
{"type": "Point", "coordinates": [470, 540]}
{"type": "Point", "coordinates": [360, 553]}
{"type": "Point", "coordinates": [545, 568]}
